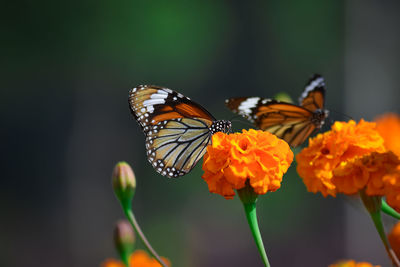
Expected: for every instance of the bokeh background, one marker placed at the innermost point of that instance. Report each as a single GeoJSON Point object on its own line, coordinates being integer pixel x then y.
{"type": "Point", "coordinates": [66, 71]}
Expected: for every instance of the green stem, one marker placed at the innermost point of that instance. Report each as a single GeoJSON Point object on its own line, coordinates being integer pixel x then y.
{"type": "Point", "coordinates": [250, 209]}
{"type": "Point", "coordinates": [131, 217]}
{"type": "Point", "coordinates": [373, 204]}
{"type": "Point", "coordinates": [389, 210]}
{"type": "Point", "coordinates": [377, 219]}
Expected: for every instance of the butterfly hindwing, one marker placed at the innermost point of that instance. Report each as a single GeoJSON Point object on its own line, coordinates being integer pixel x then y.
{"type": "Point", "coordinates": [293, 132]}
{"type": "Point", "coordinates": [177, 145]}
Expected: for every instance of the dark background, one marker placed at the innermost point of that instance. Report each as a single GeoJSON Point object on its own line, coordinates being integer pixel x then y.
{"type": "Point", "coordinates": [66, 71]}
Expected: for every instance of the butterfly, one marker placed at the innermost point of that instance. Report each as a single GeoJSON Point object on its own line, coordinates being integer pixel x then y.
{"type": "Point", "coordinates": [177, 130]}
{"type": "Point", "coordinates": [293, 123]}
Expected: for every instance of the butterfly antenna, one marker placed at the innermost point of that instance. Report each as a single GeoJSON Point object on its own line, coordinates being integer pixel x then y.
{"type": "Point", "coordinates": [234, 117]}
{"type": "Point", "coordinates": [240, 119]}
{"type": "Point", "coordinates": [331, 121]}
{"type": "Point", "coordinates": [340, 113]}
{"type": "Point", "coordinates": [244, 122]}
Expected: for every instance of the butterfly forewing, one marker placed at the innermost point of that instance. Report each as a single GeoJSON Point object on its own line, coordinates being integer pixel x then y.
{"type": "Point", "coordinates": [177, 129]}
{"type": "Point", "coordinates": [276, 112]}
{"type": "Point", "coordinates": [314, 93]}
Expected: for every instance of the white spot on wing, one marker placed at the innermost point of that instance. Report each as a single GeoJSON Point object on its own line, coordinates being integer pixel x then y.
{"type": "Point", "coordinates": [152, 102]}
{"type": "Point", "coordinates": [246, 106]}
{"type": "Point", "coordinates": [150, 109]}
{"type": "Point", "coordinates": [159, 96]}
{"type": "Point", "coordinates": [162, 92]}
{"type": "Point", "coordinates": [265, 101]}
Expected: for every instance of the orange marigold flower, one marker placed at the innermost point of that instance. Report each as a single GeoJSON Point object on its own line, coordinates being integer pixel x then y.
{"type": "Point", "coordinates": [394, 239]}
{"type": "Point", "coordinates": [257, 156]}
{"type": "Point", "coordinates": [367, 171]}
{"type": "Point", "coordinates": [392, 188]}
{"type": "Point", "coordinates": [352, 263]}
{"type": "Point", "coordinates": [329, 154]}
{"type": "Point", "coordinates": [388, 126]}
{"type": "Point", "coordinates": [139, 258]}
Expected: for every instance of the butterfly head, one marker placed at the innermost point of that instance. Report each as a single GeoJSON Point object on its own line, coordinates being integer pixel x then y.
{"type": "Point", "coordinates": [319, 117]}
{"type": "Point", "coordinates": [221, 126]}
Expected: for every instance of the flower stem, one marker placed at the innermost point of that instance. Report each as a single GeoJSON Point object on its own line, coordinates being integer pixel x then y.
{"type": "Point", "coordinates": [131, 217]}
{"type": "Point", "coordinates": [250, 209]}
{"type": "Point", "coordinates": [377, 219]}
{"type": "Point", "coordinates": [373, 204]}
{"type": "Point", "coordinates": [389, 210]}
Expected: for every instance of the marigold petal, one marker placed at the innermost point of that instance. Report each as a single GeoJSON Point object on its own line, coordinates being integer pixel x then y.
{"type": "Point", "coordinates": [236, 174]}
{"type": "Point", "coordinates": [391, 183]}
{"type": "Point", "coordinates": [388, 126]}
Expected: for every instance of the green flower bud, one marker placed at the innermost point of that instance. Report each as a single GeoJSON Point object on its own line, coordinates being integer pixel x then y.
{"type": "Point", "coordinates": [124, 239]}
{"type": "Point", "coordinates": [124, 184]}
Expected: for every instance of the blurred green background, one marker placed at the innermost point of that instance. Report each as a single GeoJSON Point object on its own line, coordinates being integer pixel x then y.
{"type": "Point", "coordinates": [67, 68]}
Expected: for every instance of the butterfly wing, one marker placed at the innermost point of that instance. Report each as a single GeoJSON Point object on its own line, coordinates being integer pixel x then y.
{"type": "Point", "coordinates": [313, 97]}
{"type": "Point", "coordinates": [287, 121]}
{"type": "Point", "coordinates": [177, 129]}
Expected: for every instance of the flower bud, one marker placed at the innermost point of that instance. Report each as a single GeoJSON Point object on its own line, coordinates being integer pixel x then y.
{"type": "Point", "coordinates": [124, 183]}
{"type": "Point", "coordinates": [124, 239]}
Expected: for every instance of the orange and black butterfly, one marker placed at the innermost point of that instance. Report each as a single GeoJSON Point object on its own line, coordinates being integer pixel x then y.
{"type": "Point", "coordinates": [177, 129]}
{"type": "Point", "coordinates": [290, 122]}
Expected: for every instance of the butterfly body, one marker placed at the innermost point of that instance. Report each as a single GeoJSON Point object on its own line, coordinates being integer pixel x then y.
{"type": "Point", "coordinates": [293, 123]}
{"type": "Point", "coordinates": [318, 117]}
{"type": "Point", "coordinates": [177, 129]}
